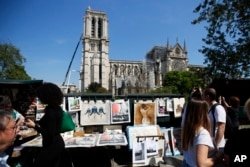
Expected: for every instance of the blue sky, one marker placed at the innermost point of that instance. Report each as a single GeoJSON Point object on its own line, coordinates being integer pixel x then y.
{"type": "Point", "coordinates": [47, 31]}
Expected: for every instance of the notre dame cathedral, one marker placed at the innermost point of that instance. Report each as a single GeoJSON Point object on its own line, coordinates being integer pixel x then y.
{"type": "Point", "coordinates": [118, 76]}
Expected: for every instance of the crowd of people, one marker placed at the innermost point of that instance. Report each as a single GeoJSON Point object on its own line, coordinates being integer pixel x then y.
{"type": "Point", "coordinates": [203, 131]}
{"type": "Point", "coordinates": [203, 141]}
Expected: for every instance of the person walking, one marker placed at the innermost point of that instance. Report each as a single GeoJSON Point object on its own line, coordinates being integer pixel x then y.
{"type": "Point", "coordinates": [53, 152]}
{"type": "Point", "coordinates": [217, 118]}
{"type": "Point", "coordinates": [197, 144]}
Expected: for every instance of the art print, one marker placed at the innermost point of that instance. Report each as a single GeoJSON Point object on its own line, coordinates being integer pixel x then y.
{"type": "Point", "coordinates": [178, 106]}
{"type": "Point", "coordinates": [161, 107]}
{"type": "Point", "coordinates": [95, 113]}
{"type": "Point", "coordinates": [151, 147]}
{"type": "Point", "coordinates": [139, 152]}
{"type": "Point", "coordinates": [167, 135]}
{"type": "Point", "coordinates": [112, 138]}
{"type": "Point", "coordinates": [134, 131]}
{"type": "Point", "coordinates": [74, 104]}
{"type": "Point", "coordinates": [85, 141]}
{"type": "Point", "coordinates": [169, 105]}
{"type": "Point", "coordinates": [120, 111]}
{"type": "Point", "coordinates": [145, 113]}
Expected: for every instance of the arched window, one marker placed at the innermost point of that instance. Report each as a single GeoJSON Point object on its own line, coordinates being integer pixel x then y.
{"type": "Point", "coordinates": [93, 27]}
{"type": "Point", "coordinates": [99, 28]}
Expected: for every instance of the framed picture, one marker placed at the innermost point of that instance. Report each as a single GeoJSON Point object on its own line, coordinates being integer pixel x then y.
{"type": "Point", "coordinates": [120, 111]}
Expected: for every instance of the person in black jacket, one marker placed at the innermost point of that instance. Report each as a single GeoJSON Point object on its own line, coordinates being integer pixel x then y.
{"type": "Point", "coordinates": [237, 153]}
{"type": "Point", "coordinates": [53, 152]}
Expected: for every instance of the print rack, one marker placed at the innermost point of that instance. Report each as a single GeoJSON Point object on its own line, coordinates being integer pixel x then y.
{"type": "Point", "coordinates": [148, 150]}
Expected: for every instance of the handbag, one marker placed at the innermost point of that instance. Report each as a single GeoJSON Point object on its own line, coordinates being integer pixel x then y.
{"type": "Point", "coordinates": [67, 122]}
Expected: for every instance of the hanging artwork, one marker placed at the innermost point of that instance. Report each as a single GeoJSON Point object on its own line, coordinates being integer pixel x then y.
{"type": "Point", "coordinates": [178, 106]}
{"type": "Point", "coordinates": [169, 105]}
{"type": "Point", "coordinates": [151, 147]}
{"type": "Point", "coordinates": [95, 113]}
{"type": "Point", "coordinates": [161, 107]}
{"type": "Point", "coordinates": [139, 152]}
{"type": "Point", "coordinates": [74, 104]}
{"type": "Point", "coordinates": [40, 109]}
{"type": "Point", "coordinates": [144, 113]}
{"type": "Point", "coordinates": [120, 111]}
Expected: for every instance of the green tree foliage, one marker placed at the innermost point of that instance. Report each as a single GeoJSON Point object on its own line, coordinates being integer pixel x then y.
{"type": "Point", "coordinates": [227, 44]}
{"type": "Point", "coordinates": [11, 63]}
{"type": "Point", "coordinates": [181, 82]}
{"type": "Point", "coordinates": [95, 87]}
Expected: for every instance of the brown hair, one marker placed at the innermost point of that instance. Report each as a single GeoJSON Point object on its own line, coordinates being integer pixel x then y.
{"type": "Point", "coordinates": [196, 117]}
{"type": "Point", "coordinates": [211, 92]}
{"type": "Point", "coordinates": [234, 101]}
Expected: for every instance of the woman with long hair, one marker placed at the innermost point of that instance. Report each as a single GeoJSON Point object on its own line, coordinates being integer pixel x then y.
{"type": "Point", "coordinates": [197, 143]}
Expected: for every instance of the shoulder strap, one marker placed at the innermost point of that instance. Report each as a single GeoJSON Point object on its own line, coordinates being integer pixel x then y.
{"type": "Point", "coordinates": [212, 109]}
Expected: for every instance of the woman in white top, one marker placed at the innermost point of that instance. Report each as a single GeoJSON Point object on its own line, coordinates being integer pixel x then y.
{"type": "Point", "coordinates": [197, 144]}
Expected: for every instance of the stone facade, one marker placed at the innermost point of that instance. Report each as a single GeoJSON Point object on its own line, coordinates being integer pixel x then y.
{"type": "Point", "coordinates": [121, 76]}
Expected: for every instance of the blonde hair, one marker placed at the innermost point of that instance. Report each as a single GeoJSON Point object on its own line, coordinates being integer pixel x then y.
{"type": "Point", "coordinates": [247, 108]}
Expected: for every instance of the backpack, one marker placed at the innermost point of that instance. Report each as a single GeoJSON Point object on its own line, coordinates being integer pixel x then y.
{"type": "Point", "coordinates": [229, 129]}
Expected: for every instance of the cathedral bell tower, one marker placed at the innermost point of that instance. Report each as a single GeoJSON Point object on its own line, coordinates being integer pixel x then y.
{"type": "Point", "coordinates": [95, 53]}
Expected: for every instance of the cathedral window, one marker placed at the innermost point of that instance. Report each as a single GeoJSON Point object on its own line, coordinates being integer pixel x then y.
{"type": "Point", "coordinates": [177, 51]}
{"type": "Point", "coordinates": [99, 28]}
{"type": "Point", "coordinates": [93, 28]}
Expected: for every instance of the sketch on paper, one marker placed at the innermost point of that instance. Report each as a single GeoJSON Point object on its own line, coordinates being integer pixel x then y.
{"type": "Point", "coordinates": [120, 111]}
{"type": "Point", "coordinates": [145, 113]}
{"type": "Point", "coordinates": [95, 113]}
{"type": "Point", "coordinates": [74, 104]}
{"type": "Point", "coordinates": [178, 106]}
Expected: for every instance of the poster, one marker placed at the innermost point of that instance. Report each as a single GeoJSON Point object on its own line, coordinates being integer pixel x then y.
{"type": "Point", "coordinates": [144, 113]}
{"type": "Point", "coordinates": [95, 113]}
{"type": "Point", "coordinates": [120, 112]}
